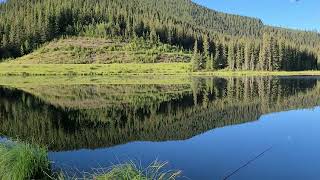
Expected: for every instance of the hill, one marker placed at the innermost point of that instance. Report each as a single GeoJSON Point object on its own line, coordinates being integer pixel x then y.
{"type": "Point", "coordinates": [82, 50]}
{"type": "Point", "coordinates": [222, 40]}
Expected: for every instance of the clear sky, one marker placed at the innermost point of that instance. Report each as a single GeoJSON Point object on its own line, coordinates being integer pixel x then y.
{"type": "Point", "coordinates": [299, 14]}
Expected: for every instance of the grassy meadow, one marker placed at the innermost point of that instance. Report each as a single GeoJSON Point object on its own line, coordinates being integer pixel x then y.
{"type": "Point", "coordinates": [182, 69]}
{"type": "Point", "coordinates": [89, 50]}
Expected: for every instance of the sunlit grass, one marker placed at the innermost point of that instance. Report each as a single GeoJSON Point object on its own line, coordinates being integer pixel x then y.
{"type": "Point", "coordinates": [126, 171]}
{"type": "Point", "coordinates": [7, 69]}
{"type": "Point", "coordinates": [93, 69]}
{"type": "Point", "coordinates": [20, 161]}
{"type": "Point", "coordinates": [227, 73]}
{"type": "Point", "coordinates": [93, 50]}
{"type": "Point", "coordinates": [130, 171]}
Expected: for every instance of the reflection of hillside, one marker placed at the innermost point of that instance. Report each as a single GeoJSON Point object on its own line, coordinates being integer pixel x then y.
{"type": "Point", "coordinates": [99, 96]}
{"type": "Point", "coordinates": [61, 117]}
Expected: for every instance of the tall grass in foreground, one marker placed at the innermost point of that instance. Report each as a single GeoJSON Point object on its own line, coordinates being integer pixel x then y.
{"type": "Point", "coordinates": [21, 161]}
{"type": "Point", "coordinates": [130, 171]}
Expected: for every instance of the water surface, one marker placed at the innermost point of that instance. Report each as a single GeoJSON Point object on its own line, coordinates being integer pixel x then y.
{"type": "Point", "coordinates": [206, 127]}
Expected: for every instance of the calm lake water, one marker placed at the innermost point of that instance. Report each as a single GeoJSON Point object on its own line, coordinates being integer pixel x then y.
{"type": "Point", "coordinates": [206, 127]}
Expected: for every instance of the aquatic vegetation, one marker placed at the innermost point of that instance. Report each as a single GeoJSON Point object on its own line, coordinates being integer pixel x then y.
{"type": "Point", "coordinates": [130, 171]}
{"type": "Point", "coordinates": [23, 161]}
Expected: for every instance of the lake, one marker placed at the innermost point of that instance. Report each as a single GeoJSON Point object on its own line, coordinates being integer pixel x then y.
{"type": "Point", "coordinates": [208, 127]}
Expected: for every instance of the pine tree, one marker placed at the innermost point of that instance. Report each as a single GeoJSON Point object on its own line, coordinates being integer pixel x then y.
{"type": "Point", "coordinates": [213, 63]}
{"type": "Point", "coordinates": [217, 56]}
{"type": "Point", "coordinates": [4, 41]}
{"type": "Point", "coordinates": [210, 63]}
{"type": "Point", "coordinates": [169, 36]}
{"type": "Point", "coordinates": [206, 47]}
{"type": "Point", "coordinates": [195, 61]}
{"type": "Point", "coordinates": [22, 51]}
{"type": "Point", "coordinates": [231, 56]}
{"type": "Point", "coordinates": [153, 36]}
{"type": "Point", "coordinates": [27, 46]}
{"type": "Point", "coordinates": [247, 57]}
{"type": "Point", "coordinates": [206, 55]}
{"type": "Point", "coordinates": [265, 53]}
{"type": "Point", "coordinates": [239, 57]}
{"type": "Point", "coordinates": [275, 56]}
{"type": "Point", "coordinates": [282, 56]}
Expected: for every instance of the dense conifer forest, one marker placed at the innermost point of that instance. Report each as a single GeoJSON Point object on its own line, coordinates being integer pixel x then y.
{"type": "Point", "coordinates": [217, 40]}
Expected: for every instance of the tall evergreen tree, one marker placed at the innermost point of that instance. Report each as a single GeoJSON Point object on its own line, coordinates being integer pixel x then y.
{"type": "Point", "coordinates": [195, 61]}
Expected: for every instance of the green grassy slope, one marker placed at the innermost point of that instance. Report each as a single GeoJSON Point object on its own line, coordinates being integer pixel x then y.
{"type": "Point", "coordinates": [82, 50]}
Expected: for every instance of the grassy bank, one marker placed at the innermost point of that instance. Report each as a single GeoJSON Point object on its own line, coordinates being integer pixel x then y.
{"type": "Point", "coordinates": [93, 69]}
{"type": "Point", "coordinates": [183, 69]}
{"type": "Point", "coordinates": [226, 73]}
{"type": "Point", "coordinates": [22, 161]}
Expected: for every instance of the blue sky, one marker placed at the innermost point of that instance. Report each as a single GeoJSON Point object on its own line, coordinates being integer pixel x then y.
{"type": "Point", "coordinates": [299, 14]}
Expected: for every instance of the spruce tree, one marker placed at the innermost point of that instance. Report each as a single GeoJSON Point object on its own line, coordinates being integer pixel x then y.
{"type": "Point", "coordinates": [195, 61]}
{"type": "Point", "coordinates": [206, 55]}
{"type": "Point", "coordinates": [231, 56]}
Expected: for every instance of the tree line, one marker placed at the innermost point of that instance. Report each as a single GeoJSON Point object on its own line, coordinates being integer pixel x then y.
{"type": "Point", "coordinates": [271, 54]}
{"type": "Point", "coordinates": [222, 40]}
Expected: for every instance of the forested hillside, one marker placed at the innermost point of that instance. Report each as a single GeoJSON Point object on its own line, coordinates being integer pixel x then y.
{"type": "Point", "coordinates": [218, 40]}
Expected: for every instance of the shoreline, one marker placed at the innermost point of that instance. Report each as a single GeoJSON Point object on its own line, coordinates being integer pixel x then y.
{"type": "Point", "coordinates": [131, 69]}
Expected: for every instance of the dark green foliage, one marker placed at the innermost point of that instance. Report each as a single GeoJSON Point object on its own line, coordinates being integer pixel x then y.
{"type": "Point", "coordinates": [25, 25]}
{"type": "Point", "coordinates": [196, 58]}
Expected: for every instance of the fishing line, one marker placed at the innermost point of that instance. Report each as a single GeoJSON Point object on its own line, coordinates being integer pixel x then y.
{"type": "Point", "coordinates": [246, 164]}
